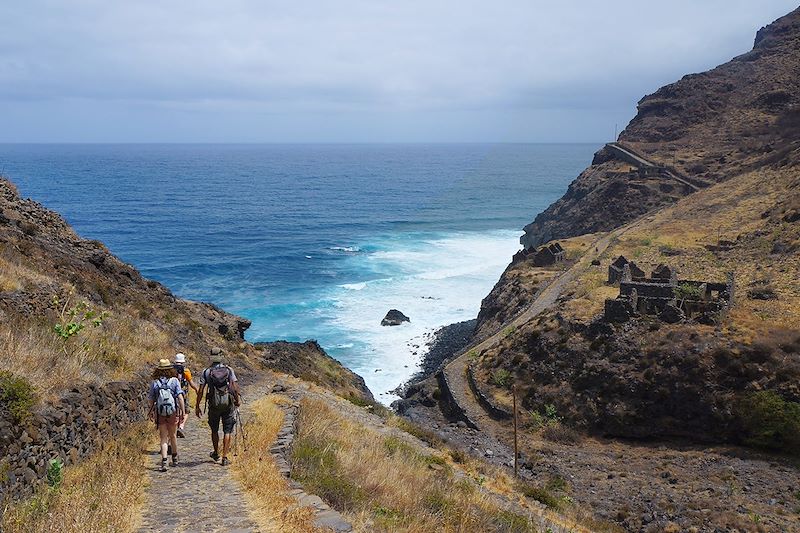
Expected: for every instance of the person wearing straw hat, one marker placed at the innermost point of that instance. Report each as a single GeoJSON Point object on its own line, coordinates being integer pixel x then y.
{"type": "Point", "coordinates": [222, 399]}
{"type": "Point", "coordinates": [166, 408]}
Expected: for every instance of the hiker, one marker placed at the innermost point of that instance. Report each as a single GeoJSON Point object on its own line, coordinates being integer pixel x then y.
{"type": "Point", "coordinates": [186, 381]}
{"type": "Point", "coordinates": [222, 399]}
{"type": "Point", "coordinates": [166, 408]}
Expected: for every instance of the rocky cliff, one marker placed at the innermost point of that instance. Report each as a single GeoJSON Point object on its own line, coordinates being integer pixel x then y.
{"type": "Point", "coordinates": [716, 193]}
{"type": "Point", "coordinates": [705, 128]}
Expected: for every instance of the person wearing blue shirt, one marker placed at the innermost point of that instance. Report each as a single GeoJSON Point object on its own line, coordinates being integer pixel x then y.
{"type": "Point", "coordinates": [166, 408]}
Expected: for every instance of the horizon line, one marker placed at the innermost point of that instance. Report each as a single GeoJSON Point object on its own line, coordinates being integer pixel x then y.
{"type": "Point", "coordinates": [256, 143]}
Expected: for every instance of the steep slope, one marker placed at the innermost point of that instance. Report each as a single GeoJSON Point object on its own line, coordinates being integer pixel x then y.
{"type": "Point", "coordinates": [737, 128]}
{"type": "Point", "coordinates": [706, 128]}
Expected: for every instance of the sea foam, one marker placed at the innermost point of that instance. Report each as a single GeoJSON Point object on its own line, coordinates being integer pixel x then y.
{"type": "Point", "coordinates": [435, 280]}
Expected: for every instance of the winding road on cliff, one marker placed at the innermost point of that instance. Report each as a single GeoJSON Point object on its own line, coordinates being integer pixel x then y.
{"type": "Point", "coordinates": [456, 371]}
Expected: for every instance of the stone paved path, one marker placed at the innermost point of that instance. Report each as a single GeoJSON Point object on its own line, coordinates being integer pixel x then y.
{"type": "Point", "coordinates": [198, 494]}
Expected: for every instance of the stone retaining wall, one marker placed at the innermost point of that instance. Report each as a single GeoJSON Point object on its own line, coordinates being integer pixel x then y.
{"type": "Point", "coordinates": [492, 409]}
{"type": "Point", "coordinates": [447, 402]}
{"type": "Point", "coordinates": [68, 429]}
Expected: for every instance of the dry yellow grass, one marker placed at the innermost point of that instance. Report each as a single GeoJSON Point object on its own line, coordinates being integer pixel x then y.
{"type": "Point", "coordinates": [103, 493]}
{"type": "Point", "coordinates": [678, 234]}
{"type": "Point", "coordinates": [266, 489]}
{"type": "Point", "coordinates": [108, 352]}
{"type": "Point", "coordinates": [15, 276]}
{"type": "Point", "coordinates": [381, 482]}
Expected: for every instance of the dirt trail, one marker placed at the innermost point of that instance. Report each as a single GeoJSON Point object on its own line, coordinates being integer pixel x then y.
{"type": "Point", "coordinates": [456, 370]}
{"type": "Point", "coordinates": [198, 494]}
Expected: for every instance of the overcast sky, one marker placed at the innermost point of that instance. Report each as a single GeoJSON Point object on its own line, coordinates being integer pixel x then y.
{"type": "Point", "coordinates": [352, 70]}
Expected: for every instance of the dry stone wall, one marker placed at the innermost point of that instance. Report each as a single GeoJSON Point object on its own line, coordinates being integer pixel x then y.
{"type": "Point", "coordinates": [68, 429]}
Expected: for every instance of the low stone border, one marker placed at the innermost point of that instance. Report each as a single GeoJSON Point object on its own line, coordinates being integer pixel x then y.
{"type": "Point", "coordinates": [492, 409]}
{"type": "Point", "coordinates": [281, 451]}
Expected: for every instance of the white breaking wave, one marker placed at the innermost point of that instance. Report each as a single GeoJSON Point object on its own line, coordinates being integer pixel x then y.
{"type": "Point", "coordinates": [354, 286]}
{"type": "Point", "coordinates": [434, 282]}
{"type": "Point", "coordinates": [349, 249]}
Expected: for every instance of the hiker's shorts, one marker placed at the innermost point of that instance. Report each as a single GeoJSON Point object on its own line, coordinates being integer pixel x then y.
{"type": "Point", "coordinates": [228, 421]}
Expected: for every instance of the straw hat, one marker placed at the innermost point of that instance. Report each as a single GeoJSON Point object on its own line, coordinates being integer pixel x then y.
{"type": "Point", "coordinates": [164, 364]}
{"type": "Point", "coordinates": [216, 355]}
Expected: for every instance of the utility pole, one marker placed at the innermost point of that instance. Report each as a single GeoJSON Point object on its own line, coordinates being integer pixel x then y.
{"type": "Point", "coordinates": [615, 132]}
{"type": "Point", "coordinates": [514, 405]}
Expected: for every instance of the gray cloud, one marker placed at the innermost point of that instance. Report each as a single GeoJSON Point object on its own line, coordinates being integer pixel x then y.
{"type": "Point", "coordinates": [366, 69]}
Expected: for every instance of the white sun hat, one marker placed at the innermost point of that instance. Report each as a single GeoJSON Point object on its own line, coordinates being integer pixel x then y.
{"type": "Point", "coordinates": [180, 358]}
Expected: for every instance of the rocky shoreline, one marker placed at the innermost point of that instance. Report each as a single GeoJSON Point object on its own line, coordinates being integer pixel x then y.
{"type": "Point", "coordinates": [441, 344]}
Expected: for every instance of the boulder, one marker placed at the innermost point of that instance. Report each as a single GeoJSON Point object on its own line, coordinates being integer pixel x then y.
{"type": "Point", "coordinates": [394, 318]}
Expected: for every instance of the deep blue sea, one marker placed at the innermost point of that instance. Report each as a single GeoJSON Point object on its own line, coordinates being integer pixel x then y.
{"type": "Point", "coordinates": [311, 241]}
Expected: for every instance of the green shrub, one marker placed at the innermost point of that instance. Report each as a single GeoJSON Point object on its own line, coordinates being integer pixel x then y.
{"type": "Point", "coordinates": [687, 291]}
{"type": "Point", "coordinates": [16, 395]}
{"type": "Point", "coordinates": [541, 495]}
{"type": "Point", "coordinates": [314, 464]}
{"type": "Point", "coordinates": [771, 422]}
{"type": "Point", "coordinates": [514, 522]}
{"type": "Point", "coordinates": [388, 517]}
{"type": "Point", "coordinates": [55, 473]}
{"type": "Point", "coordinates": [502, 378]}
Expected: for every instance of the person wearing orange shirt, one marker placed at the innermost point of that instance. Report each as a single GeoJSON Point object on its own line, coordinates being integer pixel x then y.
{"type": "Point", "coordinates": [185, 378]}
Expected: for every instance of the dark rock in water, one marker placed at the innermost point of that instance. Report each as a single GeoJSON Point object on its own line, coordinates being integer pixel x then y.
{"type": "Point", "coordinates": [394, 318]}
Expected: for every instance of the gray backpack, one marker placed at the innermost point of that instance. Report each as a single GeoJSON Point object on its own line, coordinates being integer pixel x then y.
{"type": "Point", "coordinates": [165, 401]}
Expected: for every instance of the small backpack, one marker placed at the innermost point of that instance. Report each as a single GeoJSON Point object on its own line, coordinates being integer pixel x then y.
{"type": "Point", "coordinates": [219, 394]}
{"type": "Point", "coordinates": [165, 401]}
{"type": "Point", "coordinates": [182, 376]}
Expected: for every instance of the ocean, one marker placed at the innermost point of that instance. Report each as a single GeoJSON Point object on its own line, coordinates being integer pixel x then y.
{"type": "Point", "coordinates": [311, 241]}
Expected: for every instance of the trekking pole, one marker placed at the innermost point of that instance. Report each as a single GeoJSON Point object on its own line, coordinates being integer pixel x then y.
{"type": "Point", "coordinates": [235, 440]}
{"type": "Point", "coordinates": [241, 426]}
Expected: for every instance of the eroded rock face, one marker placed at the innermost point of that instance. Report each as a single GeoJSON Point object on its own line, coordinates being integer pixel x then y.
{"type": "Point", "coordinates": [394, 318]}
{"type": "Point", "coordinates": [708, 127]}
{"type": "Point", "coordinates": [308, 361]}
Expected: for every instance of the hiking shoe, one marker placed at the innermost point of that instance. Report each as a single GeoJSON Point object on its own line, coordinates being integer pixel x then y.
{"type": "Point", "coordinates": [214, 456]}
{"type": "Point", "coordinates": [225, 461]}
{"type": "Point", "coordinates": [180, 433]}
{"type": "Point", "coordinates": [174, 460]}
{"type": "Point", "coordinates": [163, 465]}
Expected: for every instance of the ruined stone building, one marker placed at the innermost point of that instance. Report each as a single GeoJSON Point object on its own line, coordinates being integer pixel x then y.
{"type": "Point", "coordinates": [549, 254]}
{"type": "Point", "coordinates": [617, 269]}
{"type": "Point", "coordinates": [663, 295]}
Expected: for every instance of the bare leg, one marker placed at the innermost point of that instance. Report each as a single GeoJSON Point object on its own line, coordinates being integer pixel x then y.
{"type": "Point", "coordinates": [173, 437]}
{"type": "Point", "coordinates": [226, 444]}
{"type": "Point", "coordinates": [215, 441]}
{"type": "Point", "coordinates": [163, 433]}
